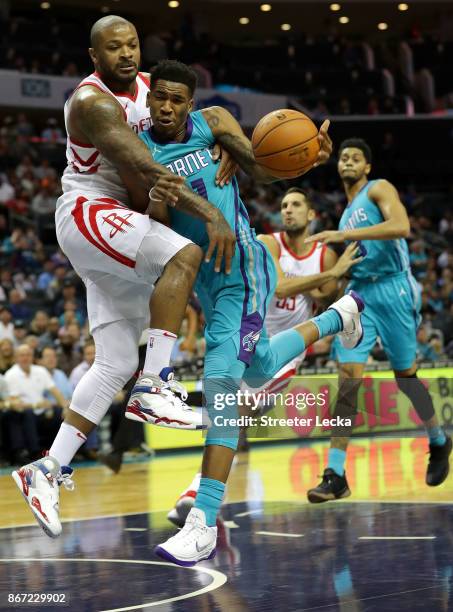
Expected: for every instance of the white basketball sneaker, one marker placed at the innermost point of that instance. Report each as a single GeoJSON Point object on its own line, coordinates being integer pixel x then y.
{"type": "Point", "coordinates": [39, 484]}
{"type": "Point", "coordinates": [184, 503]}
{"type": "Point", "coordinates": [195, 542]}
{"type": "Point", "coordinates": [350, 307]}
{"type": "Point", "coordinates": [161, 400]}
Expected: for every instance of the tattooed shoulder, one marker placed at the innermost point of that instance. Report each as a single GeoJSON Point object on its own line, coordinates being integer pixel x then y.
{"type": "Point", "coordinates": [212, 117]}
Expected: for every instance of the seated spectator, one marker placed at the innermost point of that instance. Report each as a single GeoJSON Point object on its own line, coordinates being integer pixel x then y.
{"type": "Point", "coordinates": [71, 314]}
{"type": "Point", "coordinates": [46, 277]}
{"type": "Point", "coordinates": [45, 171]}
{"type": "Point", "coordinates": [50, 424]}
{"type": "Point", "coordinates": [52, 133]}
{"type": "Point", "coordinates": [19, 309]}
{"type": "Point", "coordinates": [23, 126]}
{"type": "Point", "coordinates": [29, 383]}
{"type": "Point", "coordinates": [40, 323]}
{"type": "Point", "coordinates": [51, 337]}
{"type": "Point", "coordinates": [68, 351]}
{"type": "Point", "coordinates": [7, 191]}
{"type": "Point", "coordinates": [6, 323]}
{"type": "Point", "coordinates": [418, 259]}
{"type": "Point", "coordinates": [6, 355]}
{"type": "Point", "coordinates": [69, 292]}
{"type": "Point", "coordinates": [89, 353]}
{"type": "Point", "coordinates": [89, 449]}
{"type": "Point", "coordinates": [20, 332]}
{"type": "Point", "coordinates": [32, 341]}
{"type": "Point", "coordinates": [44, 201]}
{"type": "Point", "coordinates": [425, 350]}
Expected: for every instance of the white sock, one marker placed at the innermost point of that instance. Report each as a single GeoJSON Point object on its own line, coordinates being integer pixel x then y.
{"type": "Point", "coordinates": [67, 442]}
{"type": "Point", "coordinates": [158, 350]}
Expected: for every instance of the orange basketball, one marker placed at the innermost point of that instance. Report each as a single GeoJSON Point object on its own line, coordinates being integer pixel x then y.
{"type": "Point", "coordinates": [285, 143]}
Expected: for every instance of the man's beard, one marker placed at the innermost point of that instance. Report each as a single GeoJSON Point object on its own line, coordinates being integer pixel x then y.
{"type": "Point", "coordinates": [110, 75]}
{"type": "Point", "coordinates": [295, 231]}
{"type": "Point", "coordinates": [350, 180]}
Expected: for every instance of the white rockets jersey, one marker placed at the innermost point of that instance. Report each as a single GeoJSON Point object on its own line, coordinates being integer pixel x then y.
{"type": "Point", "coordinates": [87, 171]}
{"type": "Point", "coordinates": [285, 313]}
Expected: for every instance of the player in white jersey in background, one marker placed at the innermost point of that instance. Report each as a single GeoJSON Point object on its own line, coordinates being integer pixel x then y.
{"type": "Point", "coordinates": [307, 275]}
{"type": "Point", "coordinates": [120, 253]}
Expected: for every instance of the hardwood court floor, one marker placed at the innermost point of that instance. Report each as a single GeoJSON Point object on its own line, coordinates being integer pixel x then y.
{"type": "Point", "coordinates": [389, 546]}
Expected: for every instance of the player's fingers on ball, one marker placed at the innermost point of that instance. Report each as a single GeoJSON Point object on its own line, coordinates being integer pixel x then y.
{"type": "Point", "coordinates": [325, 126]}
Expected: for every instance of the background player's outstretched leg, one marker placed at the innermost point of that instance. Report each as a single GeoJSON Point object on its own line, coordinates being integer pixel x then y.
{"type": "Point", "coordinates": [440, 444]}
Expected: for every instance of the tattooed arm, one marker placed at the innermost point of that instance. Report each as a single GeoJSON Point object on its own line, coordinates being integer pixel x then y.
{"type": "Point", "coordinates": [98, 119]}
{"type": "Point", "coordinates": [229, 134]}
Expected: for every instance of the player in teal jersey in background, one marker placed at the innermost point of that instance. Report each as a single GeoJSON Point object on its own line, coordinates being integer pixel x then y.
{"type": "Point", "coordinates": [234, 301]}
{"type": "Point", "coordinates": [375, 216]}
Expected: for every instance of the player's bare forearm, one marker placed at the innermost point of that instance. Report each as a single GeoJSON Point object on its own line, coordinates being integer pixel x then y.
{"type": "Point", "coordinates": [196, 206]}
{"type": "Point", "coordinates": [229, 134]}
{"type": "Point", "coordinates": [387, 230]}
{"type": "Point", "coordinates": [288, 287]}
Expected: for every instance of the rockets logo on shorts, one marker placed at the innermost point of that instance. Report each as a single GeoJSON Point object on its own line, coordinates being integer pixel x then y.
{"type": "Point", "coordinates": [119, 223]}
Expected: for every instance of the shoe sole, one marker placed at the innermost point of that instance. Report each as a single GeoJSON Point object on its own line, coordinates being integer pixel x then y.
{"type": "Point", "coordinates": [141, 417]}
{"type": "Point", "coordinates": [318, 498]}
{"type": "Point", "coordinates": [38, 518]}
{"type": "Point", "coordinates": [164, 554]}
{"type": "Point", "coordinates": [447, 471]}
{"type": "Point", "coordinates": [360, 307]}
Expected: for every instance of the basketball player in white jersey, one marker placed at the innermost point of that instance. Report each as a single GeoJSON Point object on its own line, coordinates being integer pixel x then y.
{"type": "Point", "coordinates": [307, 274]}
{"type": "Point", "coordinates": [120, 253]}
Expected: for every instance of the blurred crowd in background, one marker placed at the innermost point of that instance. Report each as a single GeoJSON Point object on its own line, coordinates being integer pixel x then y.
{"type": "Point", "coordinates": [44, 338]}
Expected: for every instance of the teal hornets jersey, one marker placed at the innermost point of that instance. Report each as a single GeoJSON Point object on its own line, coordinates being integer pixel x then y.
{"type": "Point", "coordinates": [384, 257]}
{"type": "Point", "coordinates": [192, 159]}
{"type": "Point", "coordinates": [234, 304]}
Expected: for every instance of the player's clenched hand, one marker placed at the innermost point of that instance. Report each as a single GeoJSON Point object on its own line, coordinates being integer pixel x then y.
{"type": "Point", "coordinates": [348, 259]}
{"type": "Point", "coordinates": [326, 237]}
{"type": "Point", "coordinates": [325, 143]}
{"type": "Point", "coordinates": [222, 238]}
{"type": "Point", "coordinates": [166, 189]}
{"type": "Point", "coordinates": [227, 166]}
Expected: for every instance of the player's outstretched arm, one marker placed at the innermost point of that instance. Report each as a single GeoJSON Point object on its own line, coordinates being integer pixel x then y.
{"type": "Point", "coordinates": [229, 134]}
{"type": "Point", "coordinates": [395, 225]}
{"type": "Point", "coordinates": [327, 281]}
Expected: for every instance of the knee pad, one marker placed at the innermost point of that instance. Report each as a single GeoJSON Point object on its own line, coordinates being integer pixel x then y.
{"type": "Point", "coordinates": [415, 390]}
{"type": "Point", "coordinates": [346, 405]}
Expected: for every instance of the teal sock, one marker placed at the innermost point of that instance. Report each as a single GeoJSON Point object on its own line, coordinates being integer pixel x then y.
{"type": "Point", "coordinates": [328, 323]}
{"type": "Point", "coordinates": [209, 498]}
{"type": "Point", "coordinates": [342, 581]}
{"type": "Point", "coordinates": [436, 436]}
{"type": "Point", "coordinates": [336, 460]}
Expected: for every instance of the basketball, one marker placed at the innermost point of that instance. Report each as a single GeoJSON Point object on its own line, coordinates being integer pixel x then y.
{"type": "Point", "coordinates": [285, 143]}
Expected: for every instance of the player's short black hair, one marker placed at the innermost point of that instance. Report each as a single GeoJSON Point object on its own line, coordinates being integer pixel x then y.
{"type": "Point", "coordinates": [357, 143]}
{"type": "Point", "coordinates": [302, 192]}
{"type": "Point", "coordinates": [172, 70]}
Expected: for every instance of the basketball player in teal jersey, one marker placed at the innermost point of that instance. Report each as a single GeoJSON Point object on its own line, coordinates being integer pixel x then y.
{"type": "Point", "coordinates": [234, 304]}
{"type": "Point", "coordinates": [375, 216]}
